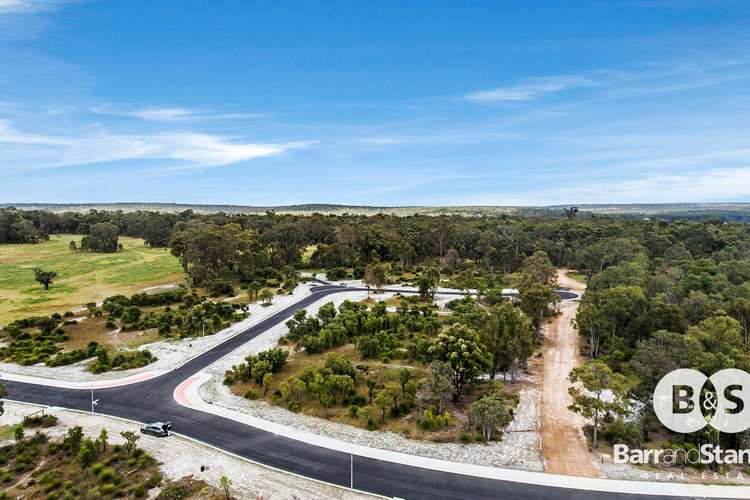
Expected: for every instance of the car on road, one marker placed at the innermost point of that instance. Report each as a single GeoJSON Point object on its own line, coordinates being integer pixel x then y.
{"type": "Point", "coordinates": [158, 429]}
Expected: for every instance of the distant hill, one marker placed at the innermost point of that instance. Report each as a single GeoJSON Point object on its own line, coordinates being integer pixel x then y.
{"type": "Point", "coordinates": [726, 211]}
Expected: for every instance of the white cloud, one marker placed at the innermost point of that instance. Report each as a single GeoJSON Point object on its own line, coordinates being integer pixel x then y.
{"type": "Point", "coordinates": [729, 184]}
{"type": "Point", "coordinates": [9, 135]}
{"type": "Point", "coordinates": [650, 78]}
{"type": "Point", "coordinates": [173, 114]}
{"type": "Point", "coordinates": [710, 185]}
{"type": "Point", "coordinates": [535, 88]}
{"type": "Point", "coordinates": [15, 5]}
{"type": "Point", "coordinates": [189, 149]}
{"type": "Point", "coordinates": [469, 136]}
{"type": "Point", "coordinates": [209, 151]}
{"type": "Point", "coordinates": [19, 6]}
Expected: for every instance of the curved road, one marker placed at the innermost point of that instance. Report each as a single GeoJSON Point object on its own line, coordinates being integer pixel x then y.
{"type": "Point", "coordinates": [153, 400]}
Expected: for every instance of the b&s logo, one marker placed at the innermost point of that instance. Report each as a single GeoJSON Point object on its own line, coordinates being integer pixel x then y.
{"type": "Point", "coordinates": [682, 405]}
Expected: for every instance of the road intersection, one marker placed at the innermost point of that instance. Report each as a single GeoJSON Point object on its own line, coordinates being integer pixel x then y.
{"type": "Point", "coordinates": [154, 399]}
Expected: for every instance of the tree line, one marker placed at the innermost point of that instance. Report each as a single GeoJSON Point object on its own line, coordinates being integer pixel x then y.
{"type": "Point", "coordinates": [492, 244]}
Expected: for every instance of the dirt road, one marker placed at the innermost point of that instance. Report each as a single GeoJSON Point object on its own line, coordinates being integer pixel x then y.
{"type": "Point", "coordinates": [563, 444]}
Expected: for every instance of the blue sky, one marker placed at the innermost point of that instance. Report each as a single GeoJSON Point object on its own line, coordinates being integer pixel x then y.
{"type": "Point", "coordinates": [377, 103]}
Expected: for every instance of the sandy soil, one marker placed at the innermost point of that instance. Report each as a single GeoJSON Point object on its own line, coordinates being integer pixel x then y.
{"type": "Point", "coordinates": [563, 444]}
{"type": "Point", "coordinates": [248, 479]}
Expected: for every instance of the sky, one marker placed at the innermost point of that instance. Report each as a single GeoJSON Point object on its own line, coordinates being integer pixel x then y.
{"type": "Point", "coordinates": [378, 103]}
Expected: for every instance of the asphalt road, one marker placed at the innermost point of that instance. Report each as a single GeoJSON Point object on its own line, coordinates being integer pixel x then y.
{"type": "Point", "coordinates": [152, 400]}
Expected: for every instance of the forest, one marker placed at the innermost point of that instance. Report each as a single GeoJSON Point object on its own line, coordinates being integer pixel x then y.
{"type": "Point", "coordinates": [661, 293]}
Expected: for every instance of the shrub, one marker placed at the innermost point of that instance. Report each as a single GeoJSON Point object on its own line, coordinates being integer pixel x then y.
{"type": "Point", "coordinates": [340, 364]}
{"type": "Point", "coordinates": [488, 414]}
{"type": "Point", "coordinates": [259, 370]}
{"type": "Point", "coordinates": [431, 422]}
{"type": "Point", "coordinates": [251, 394]}
{"type": "Point", "coordinates": [336, 273]}
{"type": "Point", "coordinates": [370, 423]}
{"type": "Point", "coordinates": [220, 287]}
{"type": "Point", "coordinates": [86, 453]}
{"type": "Point", "coordinates": [107, 475]}
{"type": "Point", "coordinates": [358, 399]}
{"type": "Point", "coordinates": [619, 431]}
{"type": "Point", "coordinates": [174, 491]}
{"type": "Point", "coordinates": [140, 490]}
{"type": "Point", "coordinates": [153, 480]}
{"type": "Point", "coordinates": [121, 360]}
{"type": "Point", "coordinates": [276, 357]}
{"type": "Point", "coordinates": [353, 410]}
{"type": "Point", "coordinates": [40, 421]}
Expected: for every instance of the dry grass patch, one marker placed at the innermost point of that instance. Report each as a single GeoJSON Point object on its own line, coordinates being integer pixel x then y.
{"type": "Point", "coordinates": [95, 330]}
{"type": "Point", "coordinates": [383, 374]}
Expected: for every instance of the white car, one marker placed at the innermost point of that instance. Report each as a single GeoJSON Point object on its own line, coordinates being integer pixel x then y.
{"type": "Point", "coordinates": [158, 429]}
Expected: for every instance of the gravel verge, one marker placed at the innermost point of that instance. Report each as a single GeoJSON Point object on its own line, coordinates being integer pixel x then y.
{"type": "Point", "coordinates": [249, 480]}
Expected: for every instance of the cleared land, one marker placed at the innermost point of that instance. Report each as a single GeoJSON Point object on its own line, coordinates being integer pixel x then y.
{"type": "Point", "coordinates": [82, 277]}
{"type": "Point", "coordinates": [563, 443]}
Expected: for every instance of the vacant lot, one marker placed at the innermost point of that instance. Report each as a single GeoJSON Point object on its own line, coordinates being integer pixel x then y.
{"type": "Point", "coordinates": [82, 277]}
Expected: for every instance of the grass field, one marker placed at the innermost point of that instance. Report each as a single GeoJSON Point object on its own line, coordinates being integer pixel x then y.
{"type": "Point", "coordinates": [82, 277]}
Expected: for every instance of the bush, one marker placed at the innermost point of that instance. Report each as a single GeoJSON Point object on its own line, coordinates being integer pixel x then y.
{"type": "Point", "coordinates": [336, 273]}
{"type": "Point", "coordinates": [251, 394]}
{"type": "Point", "coordinates": [107, 475]}
{"type": "Point", "coordinates": [153, 480]}
{"type": "Point", "coordinates": [431, 422]}
{"type": "Point", "coordinates": [121, 361]}
{"type": "Point", "coordinates": [174, 491]}
{"type": "Point", "coordinates": [340, 364]}
{"type": "Point", "coordinates": [40, 421]}
{"type": "Point", "coordinates": [619, 431]}
{"type": "Point", "coordinates": [140, 490]}
{"type": "Point", "coordinates": [276, 357]}
{"type": "Point", "coordinates": [353, 410]}
{"type": "Point", "coordinates": [370, 423]}
{"type": "Point", "coordinates": [358, 400]}
{"type": "Point", "coordinates": [220, 287]}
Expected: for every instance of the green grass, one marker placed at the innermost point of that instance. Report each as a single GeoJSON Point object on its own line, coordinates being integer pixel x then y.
{"type": "Point", "coordinates": [7, 432]}
{"type": "Point", "coordinates": [82, 277]}
{"type": "Point", "coordinates": [308, 253]}
{"type": "Point", "coordinates": [577, 277]}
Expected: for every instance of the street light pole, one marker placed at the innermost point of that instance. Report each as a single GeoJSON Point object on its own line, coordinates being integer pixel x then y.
{"type": "Point", "coordinates": [204, 329]}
